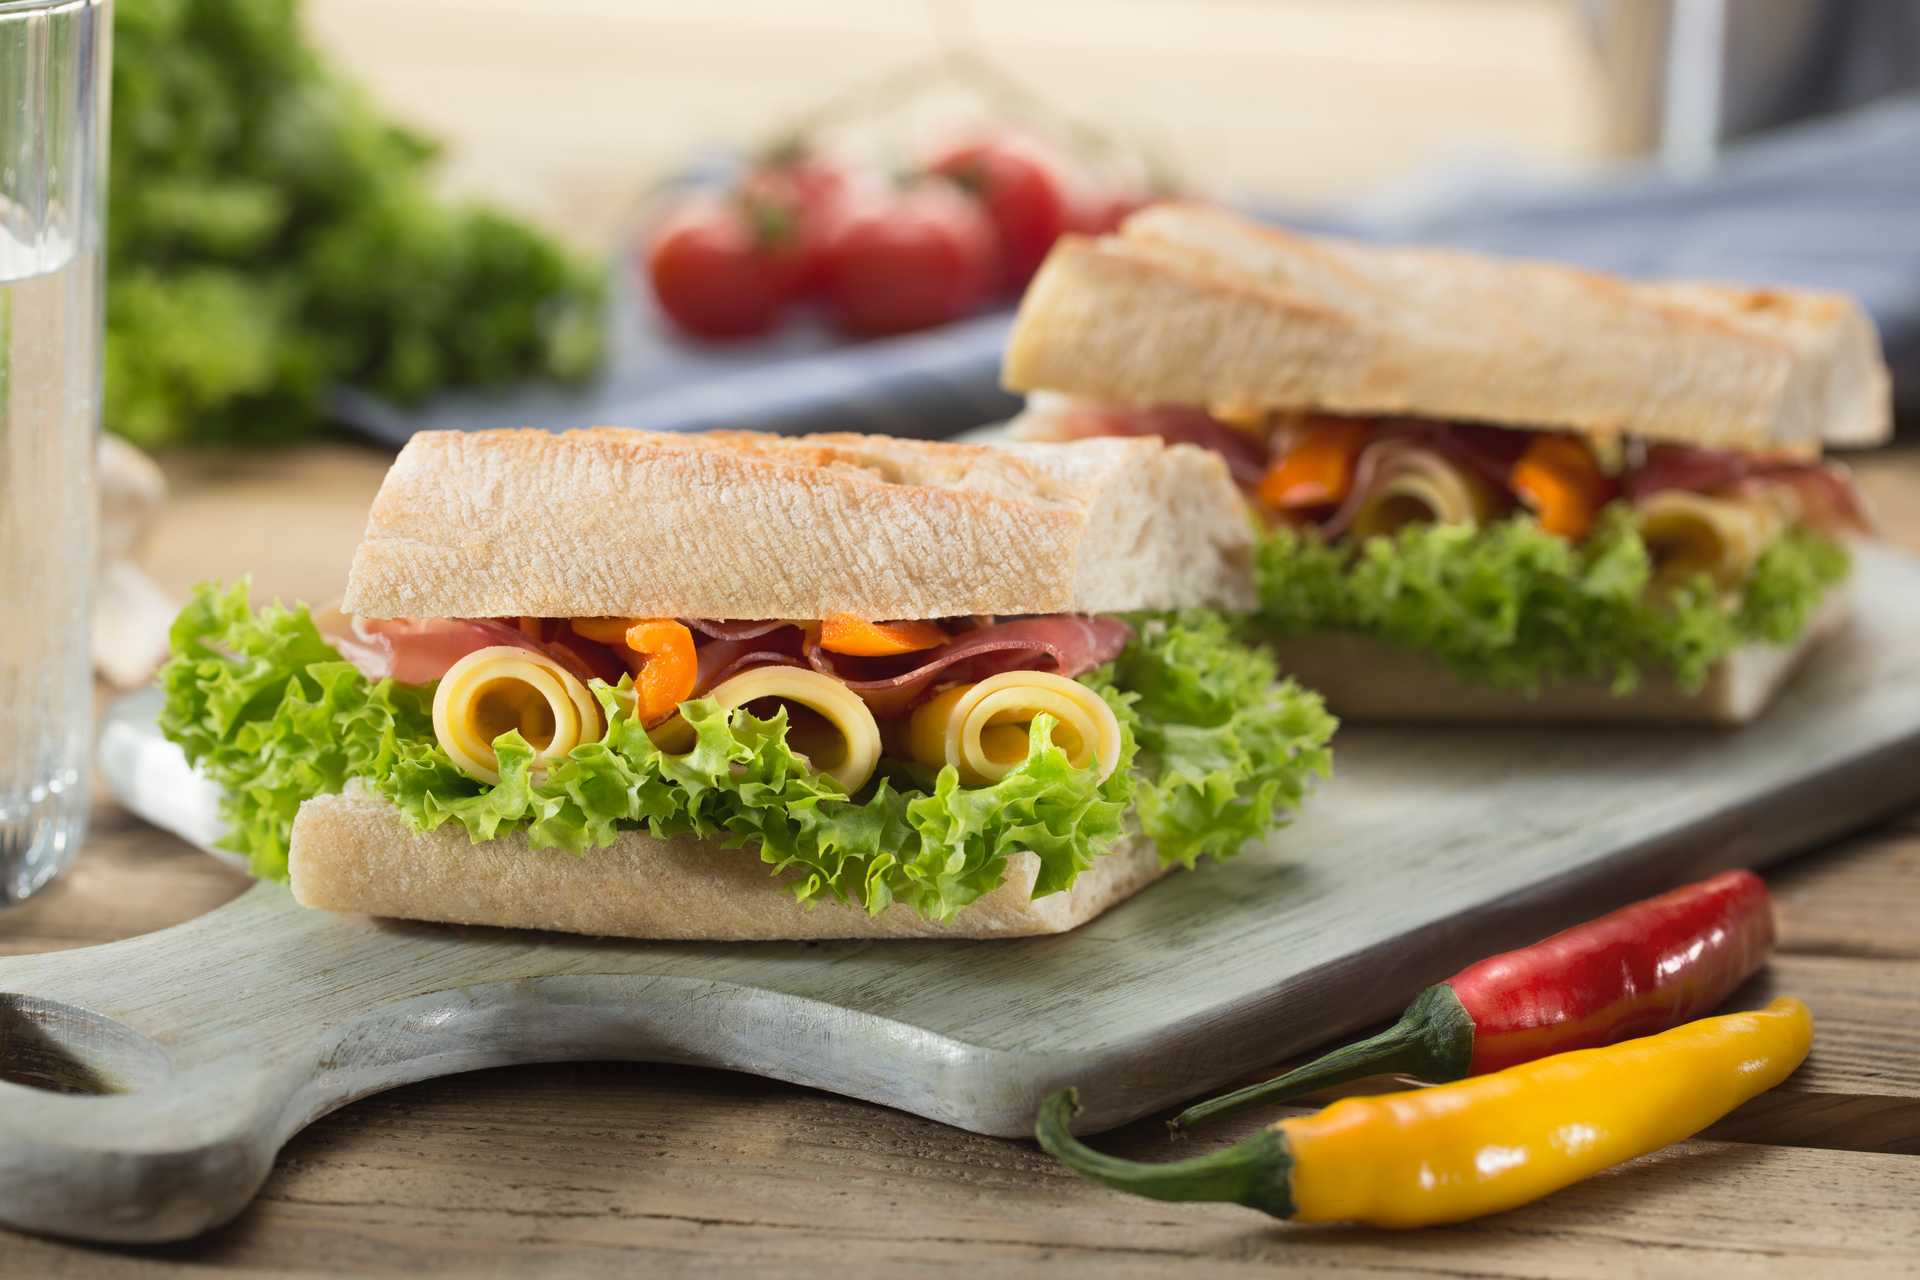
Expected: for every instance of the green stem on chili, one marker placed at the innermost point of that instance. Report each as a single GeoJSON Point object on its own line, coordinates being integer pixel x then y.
{"type": "Point", "coordinates": [1644, 968]}
{"type": "Point", "coordinates": [1432, 1041]}
{"type": "Point", "coordinates": [1253, 1172]}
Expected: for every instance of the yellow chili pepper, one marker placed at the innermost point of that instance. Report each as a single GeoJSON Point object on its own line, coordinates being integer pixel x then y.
{"type": "Point", "coordinates": [1458, 1151]}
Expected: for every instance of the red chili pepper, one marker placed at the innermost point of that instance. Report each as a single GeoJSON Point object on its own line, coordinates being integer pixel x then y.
{"type": "Point", "coordinates": [1648, 966]}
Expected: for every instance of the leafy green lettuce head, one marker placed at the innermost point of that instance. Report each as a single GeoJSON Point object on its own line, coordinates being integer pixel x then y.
{"type": "Point", "coordinates": [1213, 753]}
{"type": "Point", "coordinates": [1514, 606]}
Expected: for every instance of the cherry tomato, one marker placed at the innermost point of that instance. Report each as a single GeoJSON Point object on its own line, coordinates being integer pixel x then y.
{"type": "Point", "coordinates": [816, 190]}
{"type": "Point", "coordinates": [725, 267]}
{"type": "Point", "coordinates": [1024, 188]}
{"type": "Point", "coordinates": [908, 259]}
{"type": "Point", "coordinates": [820, 182]}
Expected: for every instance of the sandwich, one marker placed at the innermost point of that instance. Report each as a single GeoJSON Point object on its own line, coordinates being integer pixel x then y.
{"type": "Point", "coordinates": [736, 686]}
{"type": "Point", "coordinates": [1486, 489]}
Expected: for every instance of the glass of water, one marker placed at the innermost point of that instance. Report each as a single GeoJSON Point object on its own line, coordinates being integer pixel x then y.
{"type": "Point", "coordinates": [54, 60]}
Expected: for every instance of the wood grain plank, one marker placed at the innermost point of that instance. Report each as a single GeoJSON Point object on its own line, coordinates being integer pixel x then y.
{"type": "Point", "coordinates": [1860, 1088]}
{"type": "Point", "coordinates": [594, 1167]}
{"type": "Point", "coordinates": [1859, 898]}
{"type": "Point", "coordinates": [129, 879]}
{"type": "Point", "coordinates": [210, 526]}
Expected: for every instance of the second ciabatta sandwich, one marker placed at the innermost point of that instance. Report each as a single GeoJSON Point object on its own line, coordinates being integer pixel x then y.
{"type": "Point", "coordinates": [1491, 488]}
{"type": "Point", "coordinates": [737, 686]}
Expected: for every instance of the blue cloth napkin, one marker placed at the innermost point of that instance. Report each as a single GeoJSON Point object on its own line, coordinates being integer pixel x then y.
{"type": "Point", "coordinates": [1834, 204]}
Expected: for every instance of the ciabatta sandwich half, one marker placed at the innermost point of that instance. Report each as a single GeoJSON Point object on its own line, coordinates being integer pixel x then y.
{"type": "Point", "coordinates": [1489, 488]}
{"type": "Point", "coordinates": [736, 686]}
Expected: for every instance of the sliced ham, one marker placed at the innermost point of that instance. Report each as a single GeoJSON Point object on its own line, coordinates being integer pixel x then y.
{"type": "Point", "coordinates": [780, 644]}
{"type": "Point", "coordinates": [413, 650]}
{"type": "Point", "coordinates": [1828, 499]}
{"type": "Point", "coordinates": [1488, 452]}
{"type": "Point", "coordinates": [1826, 494]}
{"type": "Point", "coordinates": [419, 651]}
{"type": "Point", "coordinates": [724, 629]}
{"type": "Point", "coordinates": [1245, 454]}
{"type": "Point", "coordinates": [1067, 644]}
{"type": "Point", "coordinates": [585, 658]}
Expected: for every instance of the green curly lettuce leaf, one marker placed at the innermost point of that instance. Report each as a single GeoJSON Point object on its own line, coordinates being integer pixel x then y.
{"type": "Point", "coordinates": [1226, 747]}
{"type": "Point", "coordinates": [1513, 606]}
{"type": "Point", "coordinates": [1212, 752]}
{"type": "Point", "coordinates": [266, 708]}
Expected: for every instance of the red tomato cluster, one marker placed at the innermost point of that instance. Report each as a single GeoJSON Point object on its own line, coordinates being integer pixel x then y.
{"type": "Point", "coordinates": [971, 223]}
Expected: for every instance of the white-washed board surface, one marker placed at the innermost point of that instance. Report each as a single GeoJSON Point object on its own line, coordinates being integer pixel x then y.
{"type": "Point", "coordinates": [196, 1052]}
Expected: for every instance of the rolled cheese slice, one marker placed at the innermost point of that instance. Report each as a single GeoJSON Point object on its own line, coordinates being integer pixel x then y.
{"type": "Point", "coordinates": [492, 690]}
{"type": "Point", "coordinates": [983, 730]}
{"type": "Point", "coordinates": [1690, 533]}
{"type": "Point", "coordinates": [1419, 486]}
{"type": "Point", "coordinates": [826, 722]}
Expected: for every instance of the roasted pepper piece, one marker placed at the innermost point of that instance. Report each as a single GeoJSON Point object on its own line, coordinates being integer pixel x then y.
{"type": "Point", "coordinates": [664, 667]}
{"type": "Point", "coordinates": [1458, 1151]}
{"type": "Point", "coordinates": [1317, 470]}
{"type": "Point", "coordinates": [858, 638]}
{"type": "Point", "coordinates": [1558, 477]}
{"type": "Point", "coordinates": [660, 654]}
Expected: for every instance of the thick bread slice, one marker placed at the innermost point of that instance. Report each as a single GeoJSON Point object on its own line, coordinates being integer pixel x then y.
{"type": "Point", "coordinates": [1363, 678]}
{"type": "Point", "coordinates": [1194, 306]}
{"type": "Point", "coordinates": [353, 852]}
{"type": "Point", "coordinates": [613, 522]}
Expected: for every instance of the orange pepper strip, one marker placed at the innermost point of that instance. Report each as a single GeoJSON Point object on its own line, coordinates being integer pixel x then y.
{"type": "Point", "coordinates": [659, 652]}
{"type": "Point", "coordinates": [1558, 477]}
{"type": "Point", "coordinates": [856, 637]}
{"type": "Point", "coordinates": [1318, 470]}
{"type": "Point", "coordinates": [664, 674]}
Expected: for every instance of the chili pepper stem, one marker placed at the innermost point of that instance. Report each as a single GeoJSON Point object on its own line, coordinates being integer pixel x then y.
{"type": "Point", "coordinates": [1433, 1041]}
{"type": "Point", "coordinates": [1253, 1172]}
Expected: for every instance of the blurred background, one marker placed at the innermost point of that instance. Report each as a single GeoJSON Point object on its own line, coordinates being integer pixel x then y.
{"type": "Point", "coordinates": [1266, 102]}
{"type": "Point", "coordinates": [343, 220]}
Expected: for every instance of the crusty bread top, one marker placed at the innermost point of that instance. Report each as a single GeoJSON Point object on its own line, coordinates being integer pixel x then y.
{"type": "Point", "coordinates": [615, 522]}
{"type": "Point", "coordinates": [1195, 306]}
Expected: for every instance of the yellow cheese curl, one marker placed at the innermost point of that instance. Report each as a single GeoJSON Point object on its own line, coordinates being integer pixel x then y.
{"type": "Point", "coordinates": [1689, 533]}
{"type": "Point", "coordinates": [1419, 486]}
{"type": "Point", "coordinates": [504, 687]}
{"type": "Point", "coordinates": [826, 721]}
{"type": "Point", "coordinates": [983, 730]}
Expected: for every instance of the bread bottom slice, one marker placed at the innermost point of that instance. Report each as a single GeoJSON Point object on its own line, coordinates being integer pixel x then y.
{"type": "Point", "coordinates": [1364, 678]}
{"type": "Point", "coordinates": [354, 853]}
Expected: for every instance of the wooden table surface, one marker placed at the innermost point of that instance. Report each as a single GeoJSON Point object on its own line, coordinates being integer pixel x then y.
{"type": "Point", "coordinates": [616, 1168]}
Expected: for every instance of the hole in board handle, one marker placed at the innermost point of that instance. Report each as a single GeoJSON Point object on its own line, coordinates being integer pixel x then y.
{"type": "Point", "coordinates": [62, 1048]}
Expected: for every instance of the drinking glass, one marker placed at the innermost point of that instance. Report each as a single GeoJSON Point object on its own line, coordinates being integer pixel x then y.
{"type": "Point", "coordinates": [54, 60]}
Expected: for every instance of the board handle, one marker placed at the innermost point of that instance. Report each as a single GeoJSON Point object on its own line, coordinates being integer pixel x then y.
{"type": "Point", "coordinates": [101, 1140]}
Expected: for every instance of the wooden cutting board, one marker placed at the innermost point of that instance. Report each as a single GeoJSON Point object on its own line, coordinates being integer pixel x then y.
{"type": "Point", "coordinates": [146, 1085]}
